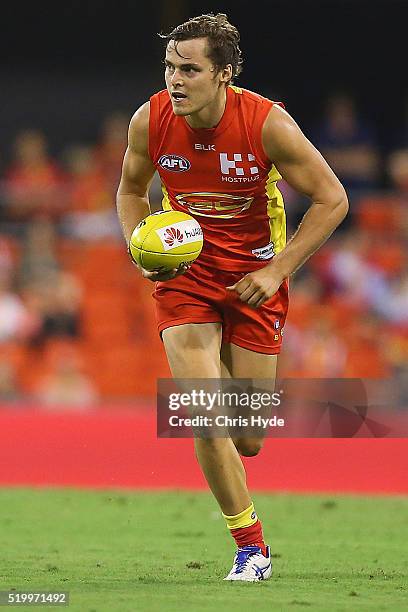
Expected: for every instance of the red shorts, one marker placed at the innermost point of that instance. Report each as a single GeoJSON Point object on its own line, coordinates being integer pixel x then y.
{"type": "Point", "coordinates": [200, 296]}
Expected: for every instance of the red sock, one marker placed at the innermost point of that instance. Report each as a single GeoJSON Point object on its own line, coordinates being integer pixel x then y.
{"type": "Point", "coordinates": [250, 536]}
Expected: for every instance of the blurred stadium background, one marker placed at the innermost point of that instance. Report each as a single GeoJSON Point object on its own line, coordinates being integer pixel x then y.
{"type": "Point", "coordinates": [77, 327]}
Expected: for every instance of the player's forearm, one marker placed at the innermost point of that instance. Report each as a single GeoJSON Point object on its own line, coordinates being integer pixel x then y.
{"type": "Point", "coordinates": [131, 210]}
{"type": "Point", "coordinates": [317, 225]}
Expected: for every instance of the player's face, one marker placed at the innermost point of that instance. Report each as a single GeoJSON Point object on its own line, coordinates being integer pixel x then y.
{"type": "Point", "coordinates": [191, 78]}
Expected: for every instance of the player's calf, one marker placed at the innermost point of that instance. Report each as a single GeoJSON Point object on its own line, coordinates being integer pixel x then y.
{"type": "Point", "coordinates": [248, 447]}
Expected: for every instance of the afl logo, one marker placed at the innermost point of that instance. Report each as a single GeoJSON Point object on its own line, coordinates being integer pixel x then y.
{"type": "Point", "coordinates": [174, 163]}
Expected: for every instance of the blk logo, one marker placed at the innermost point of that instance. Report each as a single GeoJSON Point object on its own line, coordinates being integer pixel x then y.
{"type": "Point", "coordinates": [237, 166]}
{"type": "Point", "coordinates": [174, 163]}
{"type": "Point", "coordinates": [204, 147]}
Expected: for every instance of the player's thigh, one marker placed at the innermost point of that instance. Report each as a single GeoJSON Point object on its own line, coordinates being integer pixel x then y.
{"type": "Point", "coordinates": [193, 350]}
{"type": "Point", "coordinates": [243, 363]}
{"type": "Point", "coordinates": [240, 362]}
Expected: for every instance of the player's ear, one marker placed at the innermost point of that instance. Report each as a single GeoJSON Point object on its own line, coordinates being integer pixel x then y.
{"type": "Point", "coordinates": [226, 74]}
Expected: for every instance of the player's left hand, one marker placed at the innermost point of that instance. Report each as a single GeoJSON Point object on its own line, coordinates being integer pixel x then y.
{"type": "Point", "coordinates": [257, 287]}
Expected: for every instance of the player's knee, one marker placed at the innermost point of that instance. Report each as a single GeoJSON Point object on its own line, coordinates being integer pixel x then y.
{"type": "Point", "coordinates": [210, 444]}
{"type": "Point", "coordinates": [248, 447]}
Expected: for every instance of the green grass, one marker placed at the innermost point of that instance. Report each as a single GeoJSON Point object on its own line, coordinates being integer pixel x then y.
{"type": "Point", "coordinates": [168, 552]}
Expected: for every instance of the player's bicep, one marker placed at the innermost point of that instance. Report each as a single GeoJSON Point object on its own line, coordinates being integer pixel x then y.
{"type": "Point", "coordinates": [297, 160]}
{"type": "Point", "coordinates": [137, 169]}
{"type": "Point", "coordinates": [137, 173]}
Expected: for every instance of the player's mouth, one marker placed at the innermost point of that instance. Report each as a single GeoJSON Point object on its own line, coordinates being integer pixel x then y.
{"type": "Point", "coordinates": [178, 97]}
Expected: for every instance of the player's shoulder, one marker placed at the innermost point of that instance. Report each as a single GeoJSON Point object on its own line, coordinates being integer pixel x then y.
{"type": "Point", "coordinates": [279, 122]}
{"type": "Point", "coordinates": [256, 107]}
{"type": "Point", "coordinates": [281, 135]}
{"type": "Point", "coordinates": [252, 97]}
{"type": "Point", "coordinates": [139, 126]}
{"type": "Point", "coordinates": [140, 118]}
{"type": "Point", "coordinates": [248, 94]}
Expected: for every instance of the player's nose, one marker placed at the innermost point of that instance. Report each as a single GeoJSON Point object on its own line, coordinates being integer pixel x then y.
{"type": "Point", "coordinates": [176, 78]}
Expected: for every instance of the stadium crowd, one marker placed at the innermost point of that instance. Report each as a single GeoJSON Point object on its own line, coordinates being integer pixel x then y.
{"type": "Point", "coordinates": [77, 324]}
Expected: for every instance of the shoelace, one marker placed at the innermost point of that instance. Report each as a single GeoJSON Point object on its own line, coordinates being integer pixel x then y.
{"type": "Point", "coordinates": [243, 556]}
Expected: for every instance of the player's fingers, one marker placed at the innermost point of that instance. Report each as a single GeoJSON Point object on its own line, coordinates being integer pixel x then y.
{"type": "Point", "coordinates": [182, 268]}
{"type": "Point", "coordinates": [159, 275]}
{"type": "Point", "coordinates": [255, 298]}
{"type": "Point", "coordinates": [152, 278]}
{"type": "Point", "coordinates": [147, 274]}
{"type": "Point", "coordinates": [165, 274]}
{"type": "Point", "coordinates": [259, 302]}
{"type": "Point", "coordinates": [248, 294]}
{"type": "Point", "coordinates": [242, 285]}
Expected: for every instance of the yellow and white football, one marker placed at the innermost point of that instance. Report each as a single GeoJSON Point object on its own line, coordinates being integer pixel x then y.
{"type": "Point", "coordinates": [165, 240]}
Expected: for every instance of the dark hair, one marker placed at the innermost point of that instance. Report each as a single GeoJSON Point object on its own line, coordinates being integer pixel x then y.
{"type": "Point", "coordinates": [223, 39]}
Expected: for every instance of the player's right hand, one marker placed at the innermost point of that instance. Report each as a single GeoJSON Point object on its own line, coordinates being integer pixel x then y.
{"type": "Point", "coordinates": [164, 274]}
{"type": "Point", "coordinates": [161, 274]}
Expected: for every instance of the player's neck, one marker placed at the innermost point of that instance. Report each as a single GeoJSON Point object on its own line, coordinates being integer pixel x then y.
{"type": "Point", "coordinates": [209, 116]}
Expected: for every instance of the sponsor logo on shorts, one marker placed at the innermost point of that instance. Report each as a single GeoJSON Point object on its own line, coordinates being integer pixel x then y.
{"type": "Point", "coordinates": [253, 515]}
{"type": "Point", "coordinates": [276, 325]}
{"type": "Point", "coordinates": [183, 232]}
{"type": "Point", "coordinates": [174, 163]}
{"type": "Point", "coordinates": [265, 252]}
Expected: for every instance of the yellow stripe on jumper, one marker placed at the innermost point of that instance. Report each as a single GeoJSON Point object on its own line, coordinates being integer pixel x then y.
{"type": "Point", "coordinates": [166, 200]}
{"type": "Point", "coordinates": [276, 211]}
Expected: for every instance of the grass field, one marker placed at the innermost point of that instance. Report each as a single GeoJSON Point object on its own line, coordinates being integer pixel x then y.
{"type": "Point", "coordinates": [169, 551]}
